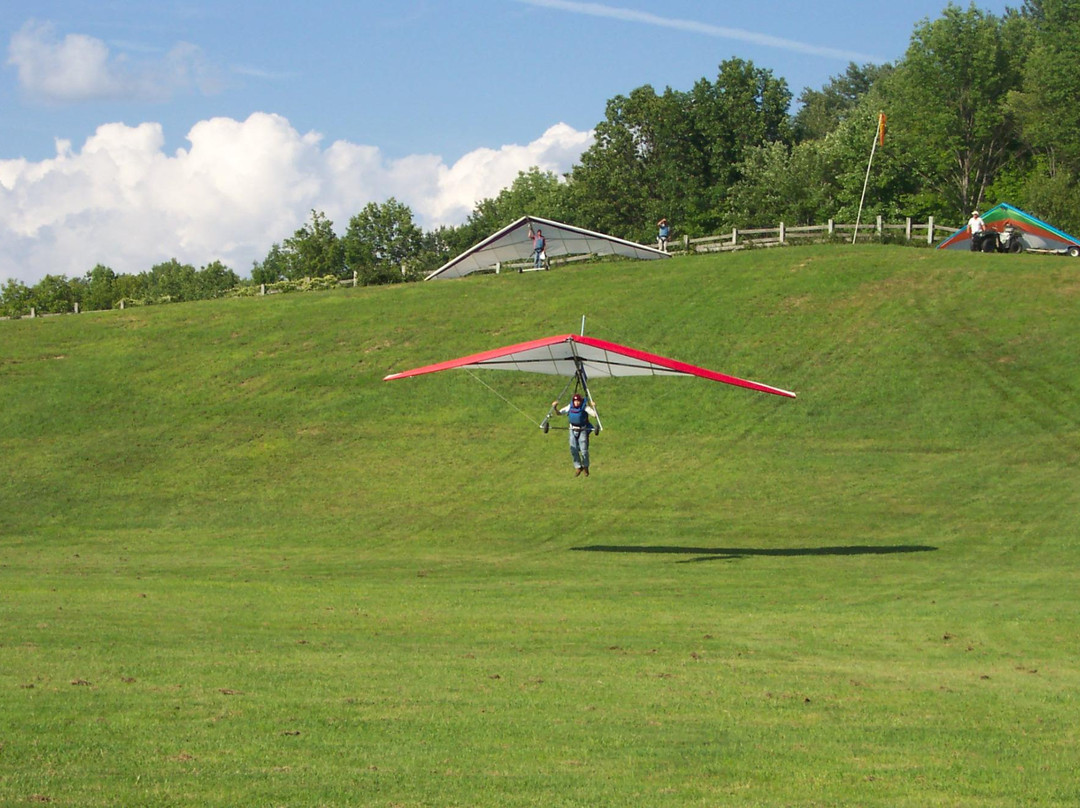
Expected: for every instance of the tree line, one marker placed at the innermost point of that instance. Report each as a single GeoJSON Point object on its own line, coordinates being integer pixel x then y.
{"type": "Point", "coordinates": [981, 109]}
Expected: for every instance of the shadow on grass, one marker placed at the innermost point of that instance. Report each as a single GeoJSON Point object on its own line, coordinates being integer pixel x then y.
{"type": "Point", "coordinates": [733, 553]}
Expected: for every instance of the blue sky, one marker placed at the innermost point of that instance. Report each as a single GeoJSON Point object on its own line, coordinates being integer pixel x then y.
{"type": "Point", "coordinates": [136, 132]}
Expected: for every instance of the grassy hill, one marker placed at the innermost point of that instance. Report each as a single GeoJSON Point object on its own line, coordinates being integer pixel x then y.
{"type": "Point", "coordinates": [237, 568]}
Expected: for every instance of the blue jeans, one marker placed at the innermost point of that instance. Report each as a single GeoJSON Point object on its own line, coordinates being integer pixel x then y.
{"type": "Point", "coordinates": [536, 258]}
{"type": "Point", "coordinates": [579, 447]}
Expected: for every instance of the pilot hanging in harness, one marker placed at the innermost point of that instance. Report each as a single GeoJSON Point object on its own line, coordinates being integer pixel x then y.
{"type": "Point", "coordinates": [578, 412]}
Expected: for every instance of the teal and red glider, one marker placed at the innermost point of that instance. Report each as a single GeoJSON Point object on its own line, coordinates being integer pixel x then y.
{"type": "Point", "coordinates": [1031, 233]}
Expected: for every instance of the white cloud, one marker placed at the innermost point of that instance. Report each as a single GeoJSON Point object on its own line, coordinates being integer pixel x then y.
{"type": "Point", "coordinates": [81, 68]}
{"type": "Point", "coordinates": [236, 189]}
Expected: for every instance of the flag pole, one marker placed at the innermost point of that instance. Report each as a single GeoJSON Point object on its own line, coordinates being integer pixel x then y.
{"type": "Point", "coordinates": [879, 137]}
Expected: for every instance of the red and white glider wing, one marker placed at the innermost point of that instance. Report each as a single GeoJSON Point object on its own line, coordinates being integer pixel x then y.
{"type": "Point", "coordinates": [563, 355]}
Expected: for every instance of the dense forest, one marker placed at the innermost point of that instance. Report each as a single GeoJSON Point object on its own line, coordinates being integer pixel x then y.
{"type": "Point", "coordinates": [981, 109]}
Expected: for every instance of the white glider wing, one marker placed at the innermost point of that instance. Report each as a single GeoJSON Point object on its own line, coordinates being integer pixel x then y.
{"type": "Point", "coordinates": [513, 243]}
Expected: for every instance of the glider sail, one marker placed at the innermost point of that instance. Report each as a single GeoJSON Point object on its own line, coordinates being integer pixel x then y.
{"type": "Point", "coordinates": [1035, 234]}
{"type": "Point", "coordinates": [513, 243]}
{"type": "Point", "coordinates": [584, 357]}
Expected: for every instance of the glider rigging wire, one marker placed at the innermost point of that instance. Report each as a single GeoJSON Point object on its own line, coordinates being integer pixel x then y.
{"type": "Point", "coordinates": [500, 395]}
{"type": "Point", "coordinates": [524, 414]}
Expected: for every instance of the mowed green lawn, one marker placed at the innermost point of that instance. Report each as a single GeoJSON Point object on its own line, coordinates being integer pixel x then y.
{"type": "Point", "coordinates": [237, 568]}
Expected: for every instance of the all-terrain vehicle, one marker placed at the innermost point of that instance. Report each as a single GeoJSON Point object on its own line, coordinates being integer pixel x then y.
{"type": "Point", "coordinates": [1010, 240]}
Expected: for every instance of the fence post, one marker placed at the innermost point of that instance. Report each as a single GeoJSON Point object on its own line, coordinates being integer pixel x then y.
{"type": "Point", "coordinates": [907, 229]}
{"type": "Point", "coordinates": [880, 229]}
{"type": "Point", "coordinates": [76, 306]}
{"type": "Point", "coordinates": [33, 313]}
{"type": "Point", "coordinates": [686, 243]}
{"type": "Point", "coordinates": [832, 228]}
{"type": "Point", "coordinates": [930, 231]}
{"type": "Point", "coordinates": [262, 289]}
{"type": "Point", "coordinates": [734, 236]}
{"type": "Point", "coordinates": [354, 278]}
{"type": "Point", "coordinates": [783, 233]}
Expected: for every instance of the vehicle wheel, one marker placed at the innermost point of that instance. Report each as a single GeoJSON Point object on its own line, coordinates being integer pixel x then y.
{"type": "Point", "coordinates": [989, 245]}
{"type": "Point", "coordinates": [1074, 251]}
{"type": "Point", "coordinates": [1016, 246]}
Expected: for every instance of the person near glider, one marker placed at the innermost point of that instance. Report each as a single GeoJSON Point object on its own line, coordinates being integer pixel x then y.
{"type": "Point", "coordinates": [577, 413]}
{"type": "Point", "coordinates": [976, 225]}
{"type": "Point", "coordinates": [662, 236]}
{"type": "Point", "coordinates": [579, 358]}
{"type": "Point", "coordinates": [537, 237]}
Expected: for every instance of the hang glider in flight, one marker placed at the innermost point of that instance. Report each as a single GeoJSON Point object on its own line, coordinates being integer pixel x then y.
{"type": "Point", "coordinates": [582, 358]}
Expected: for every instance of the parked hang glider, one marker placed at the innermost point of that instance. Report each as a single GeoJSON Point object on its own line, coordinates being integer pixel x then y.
{"type": "Point", "coordinates": [1030, 233]}
{"type": "Point", "coordinates": [582, 358]}
{"type": "Point", "coordinates": [513, 243]}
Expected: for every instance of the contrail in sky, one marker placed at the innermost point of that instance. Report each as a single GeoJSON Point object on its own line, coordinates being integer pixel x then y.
{"type": "Point", "coordinates": [628, 15]}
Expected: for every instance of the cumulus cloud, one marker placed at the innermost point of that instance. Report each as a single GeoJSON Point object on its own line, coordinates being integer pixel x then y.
{"type": "Point", "coordinates": [238, 187]}
{"type": "Point", "coordinates": [81, 68]}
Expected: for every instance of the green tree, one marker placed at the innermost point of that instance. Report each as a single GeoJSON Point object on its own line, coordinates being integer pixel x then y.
{"type": "Point", "coordinates": [1046, 103]}
{"type": "Point", "coordinates": [1046, 108]}
{"type": "Point", "coordinates": [271, 269]}
{"type": "Point", "coordinates": [100, 288]}
{"type": "Point", "coordinates": [821, 111]}
{"type": "Point", "coordinates": [745, 107]}
{"type": "Point", "coordinates": [214, 279]}
{"type": "Point", "coordinates": [1053, 195]}
{"type": "Point", "coordinates": [131, 287]}
{"type": "Point", "coordinates": [778, 183]}
{"type": "Point", "coordinates": [171, 281]}
{"type": "Point", "coordinates": [313, 251]}
{"type": "Point", "coordinates": [675, 155]}
{"type": "Point", "coordinates": [382, 243]}
{"type": "Point", "coordinates": [439, 246]}
{"type": "Point", "coordinates": [532, 193]}
{"type": "Point", "coordinates": [613, 186]}
{"type": "Point", "coordinates": [52, 295]}
{"type": "Point", "coordinates": [947, 104]}
{"type": "Point", "coordinates": [16, 298]}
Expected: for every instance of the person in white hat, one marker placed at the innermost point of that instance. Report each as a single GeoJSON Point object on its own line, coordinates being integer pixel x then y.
{"type": "Point", "coordinates": [976, 226]}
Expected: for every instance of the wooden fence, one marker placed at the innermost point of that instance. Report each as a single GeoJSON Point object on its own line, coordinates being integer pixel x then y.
{"type": "Point", "coordinates": [770, 237]}
{"type": "Point", "coordinates": [781, 235]}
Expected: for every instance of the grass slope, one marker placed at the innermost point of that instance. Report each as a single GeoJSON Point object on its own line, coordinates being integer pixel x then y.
{"type": "Point", "coordinates": [236, 568]}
